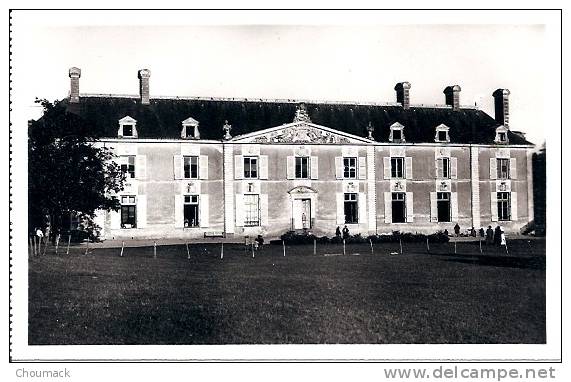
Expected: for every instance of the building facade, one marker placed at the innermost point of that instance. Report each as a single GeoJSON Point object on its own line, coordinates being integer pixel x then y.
{"type": "Point", "coordinates": [237, 167]}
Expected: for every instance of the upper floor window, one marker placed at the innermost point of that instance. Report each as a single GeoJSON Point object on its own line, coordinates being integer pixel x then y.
{"type": "Point", "coordinates": [397, 167]}
{"type": "Point", "coordinates": [127, 164]}
{"type": "Point", "coordinates": [190, 129]}
{"type": "Point", "coordinates": [302, 167]}
{"type": "Point", "coordinates": [397, 133]}
{"type": "Point", "coordinates": [443, 168]}
{"type": "Point", "coordinates": [501, 135]}
{"type": "Point", "coordinates": [350, 168]}
{"type": "Point", "coordinates": [442, 133]}
{"type": "Point", "coordinates": [503, 168]}
{"type": "Point", "coordinates": [190, 167]}
{"type": "Point", "coordinates": [250, 167]}
{"type": "Point", "coordinates": [127, 128]}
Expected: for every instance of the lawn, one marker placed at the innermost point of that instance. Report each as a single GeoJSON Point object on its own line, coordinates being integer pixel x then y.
{"type": "Point", "coordinates": [414, 297]}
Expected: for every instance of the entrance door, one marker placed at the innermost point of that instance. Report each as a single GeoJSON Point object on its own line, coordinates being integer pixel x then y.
{"type": "Point", "coordinates": [302, 213]}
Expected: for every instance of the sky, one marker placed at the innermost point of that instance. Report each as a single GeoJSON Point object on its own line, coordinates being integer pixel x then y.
{"type": "Point", "coordinates": [360, 63]}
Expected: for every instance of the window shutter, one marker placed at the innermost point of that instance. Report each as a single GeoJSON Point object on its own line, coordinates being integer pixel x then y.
{"type": "Point", "coordinates": [179, 211]}
{"type": "Point", "coordinates": [141, 211]}
{"type": "Point", "coordinates": [340, 208]}
{"type": "Point", "coordinates": [238, 167]}
{"type": "Point", "coordinates": [408, 163]}
{"type": "Point", "coordinates": [454, 206]}
{"type": "Point", "coordinates": [115, 219]}
{"type": "Point", "coordinates": [388, 208]}
{"type": "Point", "coordinates": [453, 168]}
{"type": "Point", "coordinates": [264, 216]}
{"type": "Point", "coordinates": [339, 167]}
{"type": "Point", "coordinates": [141, 166]}
{"type": "Point", "coordinates": [177, 166]}
{"type": "Point", "coordinates": [494, 205]}
{"type": "Point", "coordinates": [438, 168]}
{"type": "Point", "coordinates": [362, 218]}
{"type": "Point", "coordinates": [362, 168]}
{"type": "Point", "coordinates": [314, 167]}
{"type": "Point", "coordinates": [239, 210]}
{"type": "Point", "coordinates": [513, 168]}
{"type": "Point", "coordinates": [204, 211]}
{"type": "Point", "coordinates": [203, 167]}
{"type": "Point", "coordinates": [263, 167]}
{"type": "Point", "coordinates": [513, 205]}
{"type": "Point", "coordinates": [290, 167]}
{"type": "Point", "coordinates": [433, 207]}
{"type": "Point", "coordinates": [387, 168]}
{"type": "Point", "coordinates": [493, 169]}
{"type": "Point", "coordinates": [409, 207]}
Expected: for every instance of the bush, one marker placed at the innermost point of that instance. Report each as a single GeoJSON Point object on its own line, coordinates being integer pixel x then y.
{"type": "Point", "coordinates": [356, 239]}
{"type": "Point", "coordinates": [407, 237]}
{"type": "Point", "coordinates": [292, 237]}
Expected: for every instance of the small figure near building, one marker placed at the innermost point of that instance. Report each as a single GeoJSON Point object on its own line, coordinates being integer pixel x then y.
{"type": "Point", "coordinates": [345, 232]}
{"type": "Point", "coordinates": [498, 235]}
{"type": "Point", "coordinates": [338, 232]}
{"type": "Point", "coordinates": [457, 230]}
{"type": "Point", "coordinates": [489, 235]}
{"type": "Point", "coordinates": [482, 232]}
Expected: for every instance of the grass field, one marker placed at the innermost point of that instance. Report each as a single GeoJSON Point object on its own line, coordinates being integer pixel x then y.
{"type": "Point", "coordinates": [416, 297]}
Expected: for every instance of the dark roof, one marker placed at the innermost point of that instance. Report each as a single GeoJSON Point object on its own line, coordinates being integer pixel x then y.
{"type": "Point", "coordinates": [163, 117]}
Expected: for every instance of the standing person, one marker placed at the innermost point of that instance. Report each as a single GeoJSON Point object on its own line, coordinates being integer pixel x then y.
{"type": "Point", "coordinates": [503, 239]}
{"type": "Point", "coordinates": [338, 232]}
{"type": "Point", "coordinates": [489, 235]}
{"type": "Point", "coordinates": [473, 232]}
{"type": "Point", "coordinates": [345, 232]}
{"type": "Point", "coordinates": [457, 230]}
{"type": "Point", "coordinates": [498, 235]}
{"type": "Point", "coordinates": [482, 232]}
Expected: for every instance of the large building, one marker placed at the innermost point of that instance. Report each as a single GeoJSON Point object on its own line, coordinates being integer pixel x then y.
{"type": "Point", "coordinates": [239, 167]}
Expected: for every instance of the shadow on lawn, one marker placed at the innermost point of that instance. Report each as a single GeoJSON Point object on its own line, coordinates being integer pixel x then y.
{"type": "Point", "coordinates": [528, 262]}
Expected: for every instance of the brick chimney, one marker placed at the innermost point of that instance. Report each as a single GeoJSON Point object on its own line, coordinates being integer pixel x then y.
{"type": "Point", "coordinates": [452, 94]}
{"type": "Point", "coordinates": [403, 96]}
{"type": "Point", "coordinates": [502, 106]}
{"type": "Point", "coordinates": [74, 74]}
{"type": "Point", "coordinates": [144, 75]}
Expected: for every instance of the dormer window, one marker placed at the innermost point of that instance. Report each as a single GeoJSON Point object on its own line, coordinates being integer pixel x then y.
{"type": "Point", "coordinates": [501, 135]}
{"type": "Point", "coordinates": [190, 129]}
{"type": "Point", "coordinates": [442, 133]}
{"type": "Point", "coordinates": [127, 128]}
{"type": "Point", "coordinates": [397, 133]}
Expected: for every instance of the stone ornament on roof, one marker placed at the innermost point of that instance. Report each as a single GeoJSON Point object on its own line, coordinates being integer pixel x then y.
{"type": "Point", "coordinates": [301, 114]}
{"type": "Point", "coordinates": [370, 130]}
{"type": "Point", "coordinates": [227, 127]}
{"type": "Point", "coordinates": [301, 134]}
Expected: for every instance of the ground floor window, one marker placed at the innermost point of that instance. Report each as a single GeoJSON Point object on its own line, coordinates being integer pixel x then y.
{"type": "Point", "coordinates": [128, 211]}
{"type": "Point", "coordinates": [191, 211]}
{"type": "Point", "coordinates": [251, 210]}
{"type": "Point", "coordinates": [351, 209]}
{"type": "Point", "coordinates": [399, 207]}
{"type": "Point", "coordinates": [504, 206]}
{"type": "Point", "coordinates": [443, 204]}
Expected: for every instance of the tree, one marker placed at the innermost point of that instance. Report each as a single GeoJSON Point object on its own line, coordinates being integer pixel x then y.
{"type": "Point", "coordinates": [67, 173]}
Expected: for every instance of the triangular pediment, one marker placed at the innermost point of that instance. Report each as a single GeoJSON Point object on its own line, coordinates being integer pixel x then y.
{"type": "Point", "coordinates": [190, 121]}
{"type": "Point", "coordinates": [300, 132]}
{"type": "Point", "coordinates": [127, 119]}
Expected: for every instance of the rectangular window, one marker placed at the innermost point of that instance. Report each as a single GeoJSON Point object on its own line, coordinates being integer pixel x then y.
{"type": "Point", "coordinates": [504, 206]}
{"type": "Point", "coordinates": [442, 136]}
{"type": "Point", "coordinates": [302, 167]}
{"type": "Point", "coordinates": [127, 130]}
{"type": "Point", "coordinates": [350, 168]}
{"type": "Point", "coordinates": [397, 167]}
{"type": "Point", "coordinates": [190, 167]}
{"type": "Point", "coordinates": [189, 131]}
{"type": "Point", "coordinates": [128, 165]}
{"type": "Point", "coordinates": [399, 207]}
{"type": "Point", "coordinates": [443, 204]}
{"type": "Point", "coordinates": [502, 137]}
{"type": "Point", "coordinates": [251, 167]}
{"type": "Point", "coordinates": [128, 211]}
{"type": "Point", "coordinates": [444, 168]}
{"type": "Point", "coordinates": [503, 168]}
{"type": "Point", "coordinates": [251, 210]}
{"type": "Point", "coordinates": [351, 209]}
{"type": "Point", "coordinates": [191, 216]}
{"type": "Point", "coordinates": [397, 135]}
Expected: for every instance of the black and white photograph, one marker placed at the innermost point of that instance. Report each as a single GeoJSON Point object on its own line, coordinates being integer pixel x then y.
{"type": "Point", "coordinates": [285, 186]}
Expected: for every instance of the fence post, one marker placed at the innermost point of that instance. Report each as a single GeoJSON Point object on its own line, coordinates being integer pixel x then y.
{"type": "Point", "coordinates": [371, 242]}
{"type": "Point", "coordinates": [253, 254]}
{"type": "Point", "coordinates": [427, 245]}
{"type": "Point", "coordinates": [68, 243]}
{"type": "Point", "coordinates": [122, 247]}
{"type": "Point", "coordinates": [86, 246]}
{"type": "Point", "coordinates": [480, 245]}
{"type": "Point", "coordinates": [507, 252]}
{"type": "Point", "coordinates": [343, 246]}
{"type": "Point", "coordinates": [400, 245]}
{"type": "Point", "coordinates": [57, 242]}
{"type": "Point", "coordinates": [155, 249]}
{"type": "Point", "coordinates": [283, 245]}
{"type": "Point", "coordinates": [314, 247]}
{"type": "Point", "coordinates": [455, 240]}
{"type": "Point", "coordinates": [222, 251]}
{"type": "Point", "coordinates": [187, 250]}
{"type": "Point", "coordinates": [30, 247]}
